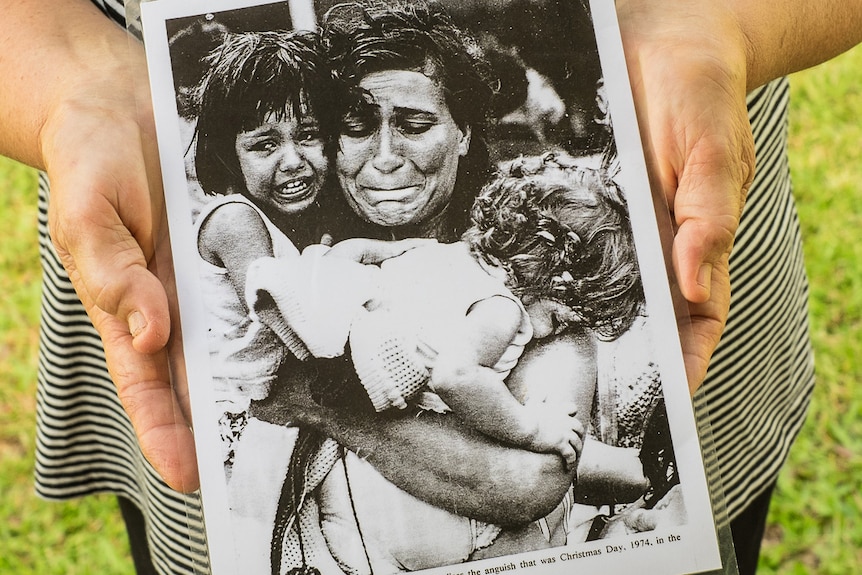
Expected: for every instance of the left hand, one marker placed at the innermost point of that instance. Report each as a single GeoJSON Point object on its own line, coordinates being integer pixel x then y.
{"type": "Point", "coordinates": [687, 65]}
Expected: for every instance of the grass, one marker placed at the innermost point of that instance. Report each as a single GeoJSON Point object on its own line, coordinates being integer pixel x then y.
{"type": "Point", "coordinates": [76, 538]}
{"type": "Point", "coordinates": [815, 524]}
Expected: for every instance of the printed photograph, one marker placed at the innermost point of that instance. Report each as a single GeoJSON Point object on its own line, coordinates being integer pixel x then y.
{"type": "Point", "coordinates": [425, 313]}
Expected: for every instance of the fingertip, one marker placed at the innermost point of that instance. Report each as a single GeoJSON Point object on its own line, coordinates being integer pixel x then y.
{"type": "Point", "coordinates": [184, 480]}
{"type": "Point", "coordinates": [176, 462]}
{"type": "Point", "coordinates": [704, 279]}
{"type": "Point", "coordinates": [695, 281]}
{"type": "Point", "coordinates": [148, 335]}
{"type": "Point", "coordinates": [704, 275]}
{"type": "Point", "coordinates": [147, 341]}
{"type": "Point", "coordinates": [188, 476]}
{"type": "Point", "coordinates": [137, 323]}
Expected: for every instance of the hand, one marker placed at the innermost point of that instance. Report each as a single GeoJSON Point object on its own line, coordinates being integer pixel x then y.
{"type": "Point", "coordinates": [668, 512]}
{"type": "Point", "coordinates": [368, 251]}
{"type": "Point", "coordinates": [558, 431]}
{"type": "Point", "coordinates": [98, 147]}
{"type": "Point", "coordinates": [687, 65]}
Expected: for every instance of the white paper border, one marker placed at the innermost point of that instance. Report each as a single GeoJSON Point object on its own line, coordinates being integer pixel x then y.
{"type": "Point", "coordinates": [695, 548]}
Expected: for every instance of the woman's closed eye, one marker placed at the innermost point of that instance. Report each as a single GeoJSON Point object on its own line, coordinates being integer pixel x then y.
{"type": "Point", "coordinates": [414, 124]}
{"type": "Point", "coordinates": [558, 324]}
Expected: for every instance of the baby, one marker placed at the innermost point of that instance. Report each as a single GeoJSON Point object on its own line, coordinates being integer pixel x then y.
{"type": "Point", "coordinates": [549, 249]}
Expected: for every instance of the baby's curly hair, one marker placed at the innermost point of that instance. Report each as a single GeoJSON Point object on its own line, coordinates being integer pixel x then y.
{"type": "Point", "coordinates": [561, 232]}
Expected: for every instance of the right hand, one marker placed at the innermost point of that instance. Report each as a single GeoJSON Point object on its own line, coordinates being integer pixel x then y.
{"type": "Point", "coordinates": [98, 148]}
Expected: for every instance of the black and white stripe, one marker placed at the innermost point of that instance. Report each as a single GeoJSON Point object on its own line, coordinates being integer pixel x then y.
{"type": "Point", "coordinates": [761, 376]}
{"type": "Point", "coordinates": [85, 442]}
{"type": "Point", "coordinates": [757, 390]}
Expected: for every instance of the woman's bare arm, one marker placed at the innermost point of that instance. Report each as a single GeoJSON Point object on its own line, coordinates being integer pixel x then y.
{"type": "Point", "coordinates": [790, 35]}
{"type": "Point", "coordinates": [440, 460]}
{"type": "Point", "coordinates": [74, 101]}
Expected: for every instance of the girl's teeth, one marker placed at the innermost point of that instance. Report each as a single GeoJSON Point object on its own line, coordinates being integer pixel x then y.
{"type": "Point", "coordinates": [293, 187]}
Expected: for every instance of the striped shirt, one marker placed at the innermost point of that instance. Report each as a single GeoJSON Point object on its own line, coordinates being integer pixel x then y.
{"type": "Point", "coordinates": [754, 399]}
{"type": "Point", "coordinates": [761, 376]}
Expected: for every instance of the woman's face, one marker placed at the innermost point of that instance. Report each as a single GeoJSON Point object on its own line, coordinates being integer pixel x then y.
{"type": "Point", "coordinates": [282, 163]}
{"type": "Point", "coordinates": [398, 158]}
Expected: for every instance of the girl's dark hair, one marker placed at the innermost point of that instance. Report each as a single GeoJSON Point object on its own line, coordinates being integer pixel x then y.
{"type": "Point", "coordinates": [372, 36]}
{"type": "Point", "coordinates": [249, 76]}
{"type": "Point", "coordinates": [561, 232]}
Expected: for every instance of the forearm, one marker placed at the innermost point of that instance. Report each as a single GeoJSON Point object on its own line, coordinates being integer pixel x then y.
{"type": "Point", "coordinates": [52, 54]}
{"type": "Point", "coordinates": [441, 461]}
{"type": "Point", "coordinates": [786, 36]}
{"type": "Point", "coordinates": [434, 457]}
{"type": "Point", "coordinates": [372, 251]}
{"type": "Point", "coordinates": [608, 474]}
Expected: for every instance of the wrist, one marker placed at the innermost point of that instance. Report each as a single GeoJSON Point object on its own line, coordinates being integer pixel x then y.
{"type": "Point", "coordinates": [98, 82]}
{"type": "Point", "coordinates": [686, 38]}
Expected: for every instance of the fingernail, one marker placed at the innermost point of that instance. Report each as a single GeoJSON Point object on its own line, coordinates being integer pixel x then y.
{"type": "Point", "coordinates": [704, 276]}
{"type": "Point", "coordinates": [137, 323]}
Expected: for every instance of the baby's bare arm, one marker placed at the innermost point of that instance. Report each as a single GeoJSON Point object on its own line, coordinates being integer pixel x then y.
{"type": "Point", "coordinates": [462, 376]}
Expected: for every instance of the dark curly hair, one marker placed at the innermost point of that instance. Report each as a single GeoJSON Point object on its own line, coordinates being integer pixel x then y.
{"type": "Point", "coordinates": [372, 36]}
{"type": "Point", "coordinates": [249, 76]}
{"type": "Point", "coordinates": [561, 232]}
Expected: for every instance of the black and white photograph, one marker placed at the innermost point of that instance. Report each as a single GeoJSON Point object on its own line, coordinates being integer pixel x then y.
{"type": "Point", "coordinates": [426, 316]}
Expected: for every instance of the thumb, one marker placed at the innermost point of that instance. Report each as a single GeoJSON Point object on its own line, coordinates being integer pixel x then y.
{"type": "Point", "coordinates": [707, 206]}
{"type": "Point", "coordinates": [109, 270]}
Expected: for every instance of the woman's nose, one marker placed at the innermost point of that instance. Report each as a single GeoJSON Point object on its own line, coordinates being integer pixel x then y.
{"type": "Point", "coordinates": [387, 156]}
{"type": "Point", "coordinates": [290, 158]}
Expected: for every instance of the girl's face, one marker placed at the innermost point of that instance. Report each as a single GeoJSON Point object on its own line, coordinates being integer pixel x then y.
{"type": "Point", "coordinates": [282, 163]}
{"type": "Point", "coordinates": [398, 159]}
{"type": "Point", "coordinates": [548, 317]}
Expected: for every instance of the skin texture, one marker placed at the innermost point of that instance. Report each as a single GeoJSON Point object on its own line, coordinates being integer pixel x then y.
{"type": "Point", "coordinates": [283, 170]}
{"type": "Point", "coordinates": [75, 102]}
{"type": "Point", "coordinates": [691, 65]}
{"type": "Point", "coordinates": [398, 167]}
{"type": "Point", "coordinates": [283, 165]}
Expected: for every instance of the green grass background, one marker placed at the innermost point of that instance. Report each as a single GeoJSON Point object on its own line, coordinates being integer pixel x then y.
{"type": "Point", "coordinates": [815, 524]}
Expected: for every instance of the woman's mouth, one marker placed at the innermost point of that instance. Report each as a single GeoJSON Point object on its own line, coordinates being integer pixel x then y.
{"type": "Point", "coordinates": [390, 193]}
